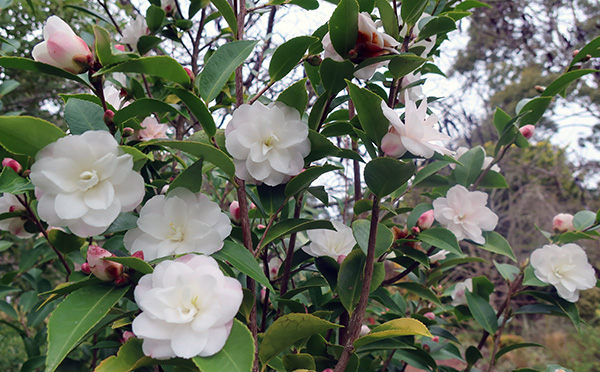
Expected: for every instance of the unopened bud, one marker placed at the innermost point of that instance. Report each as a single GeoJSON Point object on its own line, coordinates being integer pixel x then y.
{"type": "Point", "coordinates": [314, 60]}
{"type": "Point", "coordinates": [235, 211]}
{"type": "Point", "coordinates": [127, 132]}
{"type": "Point", "coordinates": [138, 254]}
{"type": "Point", "coordinates": [108, 117]}
{"type": "Point", "coordinates": [26, 173]}
{"type": "Point", "coordinates": [429, 315]}
{"type": "Point", "coordinates": [120, 47]}
{"type": "Point", "coordinates": [426, 348]}
{"type": "Point", "coordinates": [527, 131]}
{"type": "Point", "coordinates": [352, 54]}
{"type": "Point", "coordinates": [562, 222]}
{"type": "Point", "coordinates": [364, 330]}
{"type": "Point", "coordinates": [415, 230]}
{"type": "Point", "coordinates": [122, 279]}
{"type": "Point", "coordinates": [85, 268]}
{"type": "Point", "coordinates": [575, 53]}
{"type": "Point", "coordinates": [426, 220]}
{"type": "Point", "coordinates": [341, 258]}
{"type": "Point", "coordinates": [103, 269]}
{"type": "Point", "coordinates": [327, 370]}
{"type": "Point", "coordinates": [586, 58]}
{"type": "Point", "coordinates": [12, 163]}
{"type": "Point", "coordinates": [190, 74]}
{"type": "Point", "coordinates": [126, 336]}
{"type": "Point", "coordinates": [260, 226]}
{"type": "Point", "coordinates": [435, 339]}
{"type": "Point", "coordinates": [539, 88]}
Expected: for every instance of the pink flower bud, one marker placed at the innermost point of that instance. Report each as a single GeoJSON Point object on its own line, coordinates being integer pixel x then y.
{"type": "Point", "coordinates": [126, 336]}
{"type": "Point", "coordinates": [12, 163]}
{"type": "Point", "coordinates": [127, 132]}
{"type": "Point", "coordinates": [435, 339]}
{"type": "Point", "coordinates": [328, 370]}
{"type": "Point", "coordinates": [103, 269]}
{"type": "Point", "coordinates": [190, 74]}
{"type": "Point", "coordinates": [108, 116]}
{"type": "Point", "coordinates": [341, 258]}
{"type": "Point", "coordinates": [429, 315]}
{"type": "Point", "coordinates": [562, 222]}
{"type": "Point", "coordinates": [426, 220]}
{"type": "Point", "coordinates": [364, 330]}
{"type": "Point", "coordinates": [120, 47]}
{"type": "Point", "coordinates": [260, 226]}
{"type": "Point", "coordinates": [415, 230]}
{"type": "Point", "coordinates": [527, 131]}
{"type": "Point", "coordinates": [234, 210]}
{"type": "Point", "coordinates": [85, 268]}
{"type": "Point", "coordinates": [138, 254]}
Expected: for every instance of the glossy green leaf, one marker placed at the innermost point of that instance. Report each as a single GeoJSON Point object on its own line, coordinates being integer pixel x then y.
{"type": "Point", "coordinates": [351, 277]}
{"type": "Point", "coordinates": [142, 107]}
{"type": "Point", "coordinates": [271, 197]}
{"type": "Point", "coordinates": [12, 183]}
{"type": "Point", "coordinates": [155, 16]}
{"type": "Point", "coordinates": [236, 356]}
{"type": "Point", "coordinates": [240, 258]}
{"type": "Point", "coordinates": [512, 347]}
{"type": "Point", "coordinates": [161, 66]}
{"type": "Point", "coordinates": [537, 106]}
{"type": "Point", "coordinates": [421, 291]}
{"type": "Point", "coordinates": [388, 18]}
{"type": "Point", "coordinates": [493, 180]}
{"type": "Point", "coordinates": [507, 271]}
{"type": "Point", "coordinates": [221, 65]}
{"type": "Point", "coordinates": [334, 74]}
{"type": "Point", "coordinates": [287, 227]}
{"type": "Point", "coordinates": [227, 13]}
{"type": "Point", "coordinates": [190, 178]}
{"type": "Point", "coordinates": [567, 308]}
{"type": "Point", "coordinates": [31, 65]}
{"type": "Point", "coordinates": [135, 263]}
{"type": "Point", "coordinates": [200, 150]}
{"type": "Point", "coordinates": [563, 82]}
{"type": "Point", "coordinates": [368, 109]}
{"type": "Point", "coordinates": [384, 238]}
{"type": "Point", "coordinates": [288, 329]}
{"type": "Point", "coordinates": [129, 357]}
{"type": "Point", "coordinates": [583, 220]}
{"type": "Point", "coordinates": [472, 355]}
{"type": "Point", "coordinates": [65, 242]}
{"type": "Point", "coordinates": [412, 10]}
{"type": "Point", "coordinates": [404, 64]}
{"type": "Point", "coordinates": [295, 96]}
{"type": "Point", "coordinates": [483, 312]}
{"type": "Point", "coordinates": [437, 26]}
{"type": "Point", "coordinates": [501, 120]}
{"type": "Point", "coordinates": [26, 135]}
{"type": "Point", "coordinates": [320, 147]}
{"type": "Point", "coordinates": [306, 4]}
{"type": "Point", "coordinates": [299, 362]}
{"type": "Point", "coordinates": [468, 4]}
{"type": "Point", "coordinates": [592, 48]}
{"type": "Point", "coordinates": [198, 109]}
{"type": "Point", "coordinates": [146, 43]}
{"type": "Point", "coordinates": [428, 170]}
{"type": "Point", "coordinates": [75, 316]}
{"type": "Point", "coordinates": [394, 328]}
{"type": "Point", "coordinates": [318, 111]}
{"type": "Point", "coordinates": [104, 48]}
{"type": "Point", "coordinates": [82, 116]}
{"type": "Point", "coordinates": [8, 86]}
{"type": "Point", "coordinates": [470, 165]}
{"type": "Point", "coordinates": [531, 279]}
{"type": "Point", "coordinates": [288, 55]}
{"type": "Point", "coordinates": [496, 243]}
{"type": "Point", "coordinates": [441, 238]}
{"type": "Point", "coordinates": [343, 27]}
{"type": "Point", "coordinates": [385, 175]}
{"type": "Point", "coordinates": [304, 179]}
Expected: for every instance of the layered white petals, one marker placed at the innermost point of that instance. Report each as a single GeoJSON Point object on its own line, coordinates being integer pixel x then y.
{"type": "Point", "coordinates": [566, 268]}
{"type": "Point", "coordinates": [458, 294]}
{"type": "Point", "coordinates": [152, 130]}
{"type": "Point", "coordinates": [268, 143]}
{"type": "Point", "coordinates": [15, 225]}
{"type": "Point", "coordinates": [134, 30]}
{"type": "Point", "coordinates": [62, 48]}
{"type": "Point", "coordinates": [331, 243]}
{"type": "Point", "coordinates": [416, 134]}
{"type": "Point", "coordinates": [187, 307]}
{"type": "Point", "coordinates": [83, 182]}
{"type": "Point", "coordinates": [181, 222]}
{"type": "Point", "coordinates": [464, 213]}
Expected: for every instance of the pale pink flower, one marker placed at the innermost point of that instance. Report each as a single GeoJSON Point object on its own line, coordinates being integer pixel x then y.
{"type": "Point", "coordinates": [527, 131]}
{"type": "Point", "coordinates": [426, 220]}
{"type": "Point", "coordinates": [562, 222]}
{"type": "Point", "coordinates": [235, 212]}
{"type": "Point", "coordinates": [134, 30]}
{"type": "Point", "coordinates": [458, 294]}
{"type": "Point", "coordinates": [168, 5]}
{"type": "Point", "coordinates": [428, 43]}
{"type": "Point", "coordinates": [16, 225]}
{"type": "Point", "coordinates": [464, 213]}
{"type": "Point", "coordinates": [331, 243]}
{"type": "Point", "coordinates": [152, 130]}
{"type": "Point", "coordinates": [567, 268]}
{"type": "Point", "coordinates": [62, 48]}
{"type": "Point", "coordinates": [429, 315]}
{"type": "Point", "coordinates": [439, 256]}
{"type": "Point", "coordinates": [364, 330]}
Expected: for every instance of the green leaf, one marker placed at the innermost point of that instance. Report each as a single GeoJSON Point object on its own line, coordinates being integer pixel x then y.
{"type": "Point", "coordinates": [531, 279]}
{"type": "Point", "coordinates": [221, 65]}
{"type": "Point", "coordinates": [412, 10]}
{"type": "Point", "coordinates": [31, 65]}
{"type": "Point", "coordinates": [493, 180]}
{"type": "Point", "coordinates": [82, 116]}
{"type": "Point", "coordinates": [496, 243]}
{"type": "Point", "coordinates": [271, 197]}
{"type": "Point", "coordinates": [428, 170]}
{"type": "Point", "coordinates": [240, 258]}
{"type": "Point", "coordinates": [198, 109]}
{"type": "Point", "coordinates": [146, 43]}
{"type": "Point", "coordinates": [290, 226]}
{"type": "Point", "coordinates": [501, 120]}
{"type": "Point", "coordinates": [288, 329]}
{"type": "Point", "coordinates": [129, 357]}
{"type": "Point", "coordinates": [441, 238]}
{"type": "Point", "coordinates": [75, 316]}
{"type": "Point", "coordinates": [200, 150]}
{"type": "Point", "coordinates": [142, 107]}
{"type": "Point", "coordinates": [483, 312]}
{"type": "Point", "coordinates": [334, 75]}
{"type": "Point", "coordinates": [394, 328]}
{"type": "Point", "coordinates": [317, 111]}
{"type": "Point", "coordinates": [227, 13]}
{"type": "Point", "coordinates": [592, 48]}
{"type": "Point", "coordinates": [537, 106]}
{"type": "Point", "coordinates": [12, 183]}
{"type": "Point", "coordinates": [155, 16]}
{"type": "Point", "coordinates": [472, 355]}
{"type": "Point", "coordinates": [104, 49]}
{"type": "Point", "coordinates": [320, 147]}
{"type": "Point", "coordinates": [350, 279]}
{"type": "Point", "coordinates": [567, 308]}
{"type": "Point", "coordinates": [421, 291]}
{"type": "Point", "coordinates": [436, 26]}
{"type": "Point", "coordinates": [507, 271]}
{"type": "Point", "coordinates": [384, 238]}
{"type": "Point", "coordinates": [306, 4]}
{"type": "Point", "coordinates": [161, 66]}
{"type": "Point", "coordinates": [388, 18]}
{"type": "Point", "coordinates": [124, 222]}
{"type": "Point", "coordinates": [468, 4]}
{"type": "Point", "coordinates": [343, 27]}
{"type": "Point", "coordinates": [135, 263]}
{"type": "Point", "coordinates": [236, 356]}
{"type": "Point", "coordinates": [288, 55]}
{"type": "Point", "coordinates": [295, 96]}
{"type": "Point", "coordinates": [304, 179]}
{"type": "Point", "coordinates": [368, 108]}
{"type": "Point", "coordinates": [190, 178]}
{"type": "Point", "coordinates": [563, 82]}
{"type": "Point", "coordinates": [64, 242]}
{"type": "Point", "coordinates": [379, 172]}
{"type": "Point", "coordinates": [470, 165]}
{"type": "Point", "coordinates": [583, 219]}
{"type": "Point", "coordinates": [8, 86]}
{"type": "Point", "coordinates": [26, 135]}
{"type": "Point", "coordinates": [299, 362]}
{"type": "Point", "coordinates": [512, 347]}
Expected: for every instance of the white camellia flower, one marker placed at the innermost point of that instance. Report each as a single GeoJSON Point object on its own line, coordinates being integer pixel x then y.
{"type": "Point", "coordinates": [370, 43]}
{"type": "Point", "coordinates": [83, 182]}
{"type": "Point", "coordinates": [152, 130]}
{"type": "Point", "coordinates": [464, 213]}
{"type": "Point", "coordinates": [331, 243]}
{"type": "Point", "coordinates": [427, 43]}
{"type": "Point", "coordinates": [16, 225]}
{"type": "Point", "coordinates": [167, 5]}
{"type": "Point", "coordinates": [187, 307]}
{"type": "Point", "coordinates": [486, 161]}
{"type": "Point", "coordinates": [62, 48]}
{"type": "Point", "coordinates": [414, 93]}
{"type": "Point", "coordinates": [439, 256]}
{"type": "Point", "coordinates": [181, 222]}
{"type": "Point", "coordinates": [415, 135]}
{"type": "Point", "coordinates": [268, 143]}
{"type": "Point", "coordinates": [458, 294]}
{"type": "Point", "coordinates": [566, 268]}
{"type": "Point", "coordinates": [134, 30]}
